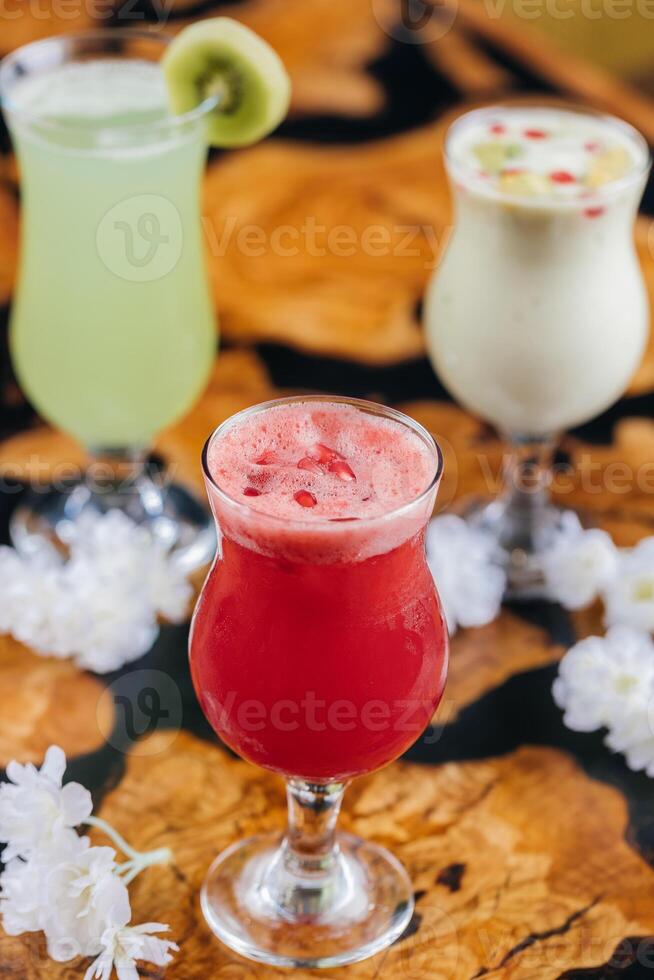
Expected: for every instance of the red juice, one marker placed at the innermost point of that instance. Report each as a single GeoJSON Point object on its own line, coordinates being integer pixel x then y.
{"type": "Point", "coordinates": [318, 645]}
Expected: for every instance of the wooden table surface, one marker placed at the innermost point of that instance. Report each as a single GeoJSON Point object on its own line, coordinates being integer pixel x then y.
{"type": "Point", "coordinates": [530, 847]}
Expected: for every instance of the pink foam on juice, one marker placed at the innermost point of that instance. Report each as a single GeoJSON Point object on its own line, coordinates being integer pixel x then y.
{"type": "Point", "coordinates": [321, 481]}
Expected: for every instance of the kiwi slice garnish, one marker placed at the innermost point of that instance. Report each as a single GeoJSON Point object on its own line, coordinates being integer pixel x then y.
{"type": "Point", "coordinates": [223, 59]}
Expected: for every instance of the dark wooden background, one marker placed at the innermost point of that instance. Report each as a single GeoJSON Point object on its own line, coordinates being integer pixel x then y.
{"type": "Point", "coordinates": [531, 847]}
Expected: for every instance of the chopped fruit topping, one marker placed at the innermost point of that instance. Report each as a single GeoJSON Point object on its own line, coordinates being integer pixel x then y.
{"type": "Point", "coordinates": [305, 499]}
{"type": "Point", "coordinates": [267, 459]}
{"type": "Point", "coordinates": [564, 150]}
{"type": "Point", "coordinates": [562, 177]}
{"type": "Point", "coordinates": [251, 492]}
{"type": "Point", "coordinates": [306, 463]}
{"type": "Point", "coordinates": [524, 183]}
{"type": "Point", "coordinates": [341, 469]}
{"type": "Point", "coordinates": [594, 212]}
{"type": "Point", "coordinates": [609, 165]}
{"type": "Point", "coordinates": [323, 454]}
{"type": "Point", "coordinates": [493, 156]}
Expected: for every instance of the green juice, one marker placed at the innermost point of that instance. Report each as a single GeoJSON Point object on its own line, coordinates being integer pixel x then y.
{"type": "Point", "coordinates": [112, 330]}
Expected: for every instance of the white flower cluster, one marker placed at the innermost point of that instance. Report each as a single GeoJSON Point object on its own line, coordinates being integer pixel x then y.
{"type": "Point", "coordinates": [608, 682]}
{"type": "Point", "coordinates": [99, 607]}
{"type": "Point", "coordinates": [583, 566]}
{"type": "Point", "coordinates": [469, 580]}
{"type": "Point", "coordinates": [56, 882]}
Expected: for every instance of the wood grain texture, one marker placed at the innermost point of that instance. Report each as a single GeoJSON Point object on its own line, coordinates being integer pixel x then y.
{"type": "Point", "coordinates": [22, 23]}
{"type": "Point", "coordinates": [505, 887]}
{"type": "Point", "coordinates": [44, 701]}
{"type": "Point", "coordinates": [334, 258]}
{"type": "Point", "coordinates": [483, 659]}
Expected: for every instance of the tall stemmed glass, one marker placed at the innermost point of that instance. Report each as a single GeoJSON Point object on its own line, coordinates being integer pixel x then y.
{"type": "Point", "coordinates": [537, 316]}
{"type": "Point", "coordinates": [112, 328]}
{"type": "Point", "coordinates": [319, 651]}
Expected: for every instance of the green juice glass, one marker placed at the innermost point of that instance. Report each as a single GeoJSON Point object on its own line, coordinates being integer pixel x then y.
{"type": "Point", "coordinates": [112, 331]}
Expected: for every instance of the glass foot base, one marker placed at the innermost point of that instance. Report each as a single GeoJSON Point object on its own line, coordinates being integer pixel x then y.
{"type": "Point", "coordinates": [265, 912]}
{"type": "Point", "coordinates": [46, 519]}
{"type": "Point", "coordinates": [520, 544]}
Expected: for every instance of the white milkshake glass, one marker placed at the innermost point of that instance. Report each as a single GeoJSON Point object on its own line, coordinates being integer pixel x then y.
{"type": "Point", "coordinates": [537, 318]}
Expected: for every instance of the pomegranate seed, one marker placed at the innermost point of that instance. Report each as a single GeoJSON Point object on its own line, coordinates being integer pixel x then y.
{"type": "Point", "coordinates": [594, 212]}
{"type": "Point", "coordinates": [562, 177]}
{"type": "Point", "coordinates": [305, 499]}
{"type": "Point", "coordinates": [323, 454]}
{"type": "Point", "coordinates": [341, 469]}
{"type": "Point", "coordinates": [497, 129]}
{"type": "Point", "coordinates": [251, 492]}
{"type": "Point", "coordinates": [535, 134]}
{"type": "Point", "coordinates": [591, 147]}
{"type": "Point", "coordinates": [306, 463]}
{"type": "Point", "coordinates": [267, 458]}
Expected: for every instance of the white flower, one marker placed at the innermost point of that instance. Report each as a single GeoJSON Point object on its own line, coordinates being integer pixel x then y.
{"type": "Point", "coordinates": [55, 882]}
{"type": "Point", "coordinates": [602, 678]}
{"type": "Point", "coordinates": [35, 809]}
{"type": "Point", "coordinates": [469, 580]}
{"type": "Point", "coordinates": [579, 566]}
{"type": "Point", "coordinates": [83, 897]}
{"type": "Point", "coordinates": [99, 607]}
{"type": "Point", "coordinates": [22, 896]}
{"type": "Point", "coordinates": [124, 551]}
{"type": "Point", "coordinates": [630, 598]}
{"type": "Point", "coordinates": [23, 884]}
{"type": "Point", "coordinates": [633, 734]}
{"type": "Point", "coordinates": [171, 592]}
{"type": "Point", "coordinates": [121, 947]}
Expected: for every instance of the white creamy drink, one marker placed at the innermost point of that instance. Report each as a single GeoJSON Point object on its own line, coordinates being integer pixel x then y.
{"type": "Point", "coordinates": [537, 316]}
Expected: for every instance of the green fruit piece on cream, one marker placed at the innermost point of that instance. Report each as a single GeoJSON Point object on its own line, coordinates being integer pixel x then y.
{"type": "Point", "coordinates": [524, 184]}
{"type": "Point", "coordinates": [609, 165]}
{"type": "Point", "coordinates": [224, 59]}
{"type": "Point", "coordinates": [494, 155]}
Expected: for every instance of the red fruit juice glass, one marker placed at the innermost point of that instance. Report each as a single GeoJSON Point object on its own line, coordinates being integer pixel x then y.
{"type": "Point", "coordinates": [319, 651]}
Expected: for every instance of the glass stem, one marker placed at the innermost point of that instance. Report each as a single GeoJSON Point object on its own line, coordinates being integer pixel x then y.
{"type": "Point", "coordinates": [310, 845]}
{"type": "Point", "coordinates": [118, 478]}
{"type": "Point", "coordinates": [306, 878]}
{"type": "Point", "coordinates": [525, 495]}
{"type": "Point", "coordinates": [113, 473]}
